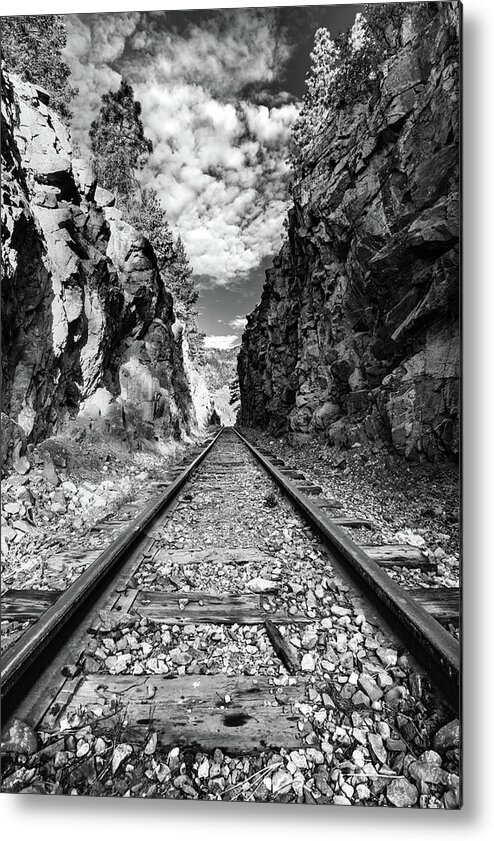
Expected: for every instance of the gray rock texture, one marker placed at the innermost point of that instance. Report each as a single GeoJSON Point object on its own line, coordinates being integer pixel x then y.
{"type": "Point", "coordinates": [356, 335]}
{"type": "Point", "coordinates": [88, 326]}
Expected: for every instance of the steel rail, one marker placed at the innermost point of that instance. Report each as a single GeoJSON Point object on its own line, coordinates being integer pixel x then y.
{"type": "Point", "coordinates": [18, 660]}
{"type": "Point", "coordinates": [436, 649]}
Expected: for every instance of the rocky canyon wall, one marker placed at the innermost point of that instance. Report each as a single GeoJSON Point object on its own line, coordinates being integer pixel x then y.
{"type": "Point", "coordinates": [219, 369]}
{"type": "Point", "coordinates": [88, 329]}
{"type": "Point", "coordinates": [356, 334]}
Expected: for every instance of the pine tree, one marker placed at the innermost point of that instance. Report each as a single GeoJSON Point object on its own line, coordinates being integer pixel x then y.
{"type": "Point", "coordinates": [118, 144]}
{"type": "Point", "coordinates": [234, 387]}
{"type": "Point", "coordinates": [324, 70]}
{"type": "Point", "coordinates": [148, 215]}
{"type": "Point", "coordinates": [181, 284]}
{"type": "Point", "coordinates": [325, 59]}
{"type": "Point", "coordinates": [349, 68]}
{"type": "Point", "coordinates": [32, 47]}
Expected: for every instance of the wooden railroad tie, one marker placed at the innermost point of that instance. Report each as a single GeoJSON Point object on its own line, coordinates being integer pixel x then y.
{"type": "Point", "coordinates": [443, 603]}
{"type": "Point", "coordinates": [203, 607]}
{"type": "Point", "coordinates": [353, 522]}
{"type": "Point", "coordinates": [240, 555]}
{"type": "Point", "coordinates": [238, 714]}
{"type": "Point", "coordinates": [25, 605]}
{"type": "Point", "coordinates": [329, 503]}
{"type": "Point", "coordinates": [312, 490]}
{"type": "Point", "coordinates": [292, 474]}
{"type": "Point", "coordinates": [399, 554]}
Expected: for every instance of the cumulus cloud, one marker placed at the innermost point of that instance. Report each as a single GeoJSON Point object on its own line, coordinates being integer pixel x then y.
{"type": "Point", "coordinates": [239, 322]}
{"type": "Point", "coordinates": [225, 51]}
{"type": "Point", "coordinates": [219, 159]}
{"type": "Point", "coordinates": [221, 342]}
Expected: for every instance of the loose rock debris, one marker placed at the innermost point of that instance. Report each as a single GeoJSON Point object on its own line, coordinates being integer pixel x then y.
{"type": "Point", "coordinates": [410, 504]}
{"type": "Point", "coordinates": [54, 516]}
{"type": "Point", "coordinates": [355, 725]}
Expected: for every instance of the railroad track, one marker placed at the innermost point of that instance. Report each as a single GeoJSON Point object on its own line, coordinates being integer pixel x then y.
{"type": "Point", "coordinates": [217, 616]}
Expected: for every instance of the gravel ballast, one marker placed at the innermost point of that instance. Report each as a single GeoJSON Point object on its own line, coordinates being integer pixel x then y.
{"type": "Point", "coordinates": [371, 729]}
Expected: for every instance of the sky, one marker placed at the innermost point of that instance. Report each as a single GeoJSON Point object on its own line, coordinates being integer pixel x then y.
{"type": "Point", "coordinates": [220, 90]}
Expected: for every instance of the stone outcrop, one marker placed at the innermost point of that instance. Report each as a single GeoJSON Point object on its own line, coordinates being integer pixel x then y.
{"type": "Point", "coordinates": [356, 334]}
{"type": "Point", "coordinates": [219, 368]}
{"type": "Point", "coordinates": [202, 398]}
{"type": "Point", "coordinates": [88, 326]}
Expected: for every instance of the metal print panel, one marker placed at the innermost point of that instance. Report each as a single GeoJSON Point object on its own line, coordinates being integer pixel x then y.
{"type": "Point", "coordinates": [230, 356]}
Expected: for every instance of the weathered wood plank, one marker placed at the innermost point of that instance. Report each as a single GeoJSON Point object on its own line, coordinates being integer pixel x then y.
{"type": "Point", "coordinates": [329, 503]}
{"type": "Point", "coordinates": [228, 464]}
{"type": "Point", "coordinates": [443, 603]}
{"type": "Point", "coordinates": [104, 525]}
{"type": "Point", "coordinates": [200, 606]}
{"type": "Point", "coordinates": [60, 561]}
{"type": "Point", "coordinates": [212, 472]}
{"type": "Point", "coordinates": [193, 711]}
{"type": "Point", "coordinates": [23, 605]}
{"type": "Point", "coordinates": [399, 554]}
{"type": "Point", "coordinates": [283, 649]}
{"type": "Point", "coordinates": [200, 486]}
{"type": "Point", "coordinates": [203, 607]}
{"type": "Point", "coordinates": [218, 555]}
{"type": "Point", "coordinates": [75, 554]}
{"type": "Point", "coordinates": [313, 490]}
{"type": "Point", "coordinates": [353, 522]}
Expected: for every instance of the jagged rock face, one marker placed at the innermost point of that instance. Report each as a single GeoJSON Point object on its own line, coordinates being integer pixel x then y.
{"type": "Point", "coordinates": [87, 321]}
{"type": "Point", "coordinates": [356, 334]}
{"type": "Point", "coordinates": [200, 394]}
{"type": "Point", "coordinates": [219, 367]}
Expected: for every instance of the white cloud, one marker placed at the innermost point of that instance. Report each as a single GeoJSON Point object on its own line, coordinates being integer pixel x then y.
{"type": "Point", "coordinates": [234, 48]}
{"type": "Point", "coordinates": [219, 160]}
{"type": "Point", "coordinates": [221, 342]}
{"type": "Point", "coordinates": [239, 322]}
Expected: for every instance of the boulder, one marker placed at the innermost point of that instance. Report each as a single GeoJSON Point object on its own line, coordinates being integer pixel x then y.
{"type": "Point", "coordinates": [104, 198]}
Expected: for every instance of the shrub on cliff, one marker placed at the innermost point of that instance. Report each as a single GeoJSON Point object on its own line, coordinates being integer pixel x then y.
{"type": "Point", "coordinates": [348, 68]}
{"type": "Point", "coordinates": [32, 47]}
{"type": "Point", "coordinates": [118, 144]}
{"type": "Point", "coordinates": [119, 149]}
{"type": "Point", "coordinates": [147, 214]}
{"type": "Point", "coordinates": [181, 284]}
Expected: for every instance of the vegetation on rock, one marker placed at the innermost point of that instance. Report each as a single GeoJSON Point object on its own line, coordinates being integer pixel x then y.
{"type": "Point", "coordinates": [118, 144]}
{"type": "Point", "coordinates": [218, 367]}
{"type": "Point", "coordinates": [147, 214]}
{"type": "Point", "coordinates": [90, 293]}
{"type": "Point", "coordinates": [32, 47]}
{"type": "Point", "coordinates": [348, 68]}
{"type": "Point", "coordinates": [119, 150]}
{"type": "Point", "coordinates": [178, 278]}
{"type": "Point", "coordinates": [356, 334]}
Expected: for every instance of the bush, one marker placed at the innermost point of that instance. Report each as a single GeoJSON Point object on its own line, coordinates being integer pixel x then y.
{"type": "Point", "coordinates": [348, 69]}
{"type": "Point", "coordinates": [32, 47]}
{"type": "Point", "coordinates": [149, 217]}
{"type": "Point", "coordinates": [118, 144]}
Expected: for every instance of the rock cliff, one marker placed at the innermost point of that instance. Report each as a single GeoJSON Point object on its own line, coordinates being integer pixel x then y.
{"type": "Point", "coordinates": [356, 334]}
{"type": "Point", "coordinates": [219, 369]}
{"type": "Point", "coordinates": [89, 333]}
